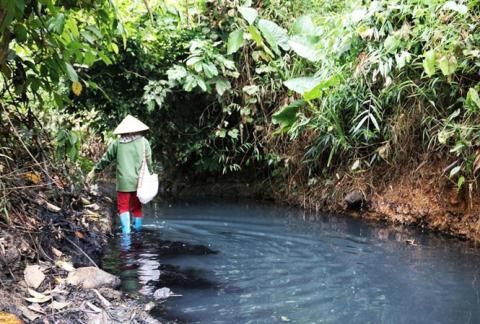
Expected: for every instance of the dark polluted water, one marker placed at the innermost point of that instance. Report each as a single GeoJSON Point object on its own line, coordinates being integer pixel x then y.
{"type": "Point", "coordinates": [276, 264]}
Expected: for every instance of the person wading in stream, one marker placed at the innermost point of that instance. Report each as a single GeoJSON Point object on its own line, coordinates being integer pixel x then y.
{"type": "Point", "coordinates": [127, 152]}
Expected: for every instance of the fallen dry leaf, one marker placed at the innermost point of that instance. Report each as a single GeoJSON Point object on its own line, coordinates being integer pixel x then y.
{"type": "Point", "coordinates": [93, 307]}
{"type": "Point", "coordinates": [58, 305]}
{"type": "Point", "coordinates": [85, 201]}
{"type": "Point", "coordinates": [93, 206]}
{"type": "Point", "coordinates": [36, 308]}
{"type": "Point", "coordinates": [52, 207]}
{"type": "Point", "coordinates": [56, 252]}
{"type": "Point", "coordinates": [31, 316]}
{"type": "Point", "coordinates": [33, 276]}
{"type": "Point", "coordinates": [33, 177]}
{"type": "Point", "coordinates": [39, 300]}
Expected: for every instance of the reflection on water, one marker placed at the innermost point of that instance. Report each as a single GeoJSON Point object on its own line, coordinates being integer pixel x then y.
{"type": "Point", "coordinates": [277, 264]}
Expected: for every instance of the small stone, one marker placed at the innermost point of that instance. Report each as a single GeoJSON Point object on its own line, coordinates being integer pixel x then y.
{"type": "Point", "coordinates": [354, 199]}
{"type": "Point", "coordinates": [149, 306]}
{"type": "Point", "coordinates": [91, 277]}
{"type": "Point", "coordinates": [162, 293]}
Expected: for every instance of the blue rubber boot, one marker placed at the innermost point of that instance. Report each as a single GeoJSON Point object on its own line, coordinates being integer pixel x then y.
{"type": "Point", "coordinates": [137, 223]}
{"type": "Point", "coordinates": [125, 245]}
{"type": "Point", "coordinates": [125, 222]}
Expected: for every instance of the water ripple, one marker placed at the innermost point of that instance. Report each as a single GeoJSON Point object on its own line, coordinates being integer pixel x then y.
{"type": "Point", "coordinates": [278, 264]}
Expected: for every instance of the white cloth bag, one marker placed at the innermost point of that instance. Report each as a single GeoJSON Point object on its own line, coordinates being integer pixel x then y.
{"type": "Point", "coordinates": [147, 187]}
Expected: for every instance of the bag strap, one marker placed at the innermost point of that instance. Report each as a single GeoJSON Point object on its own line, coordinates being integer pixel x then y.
{"type": "Point", "coordinates": [143, 167]}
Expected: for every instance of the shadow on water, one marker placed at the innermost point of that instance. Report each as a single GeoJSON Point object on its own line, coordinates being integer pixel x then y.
{"type": "Point", "coordinates": [248, 262]}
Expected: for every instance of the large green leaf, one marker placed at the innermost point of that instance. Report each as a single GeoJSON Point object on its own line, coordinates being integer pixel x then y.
{"type": "Point", "coordinates": [305, 48]}
{"type": "Point", "coordinates": [429, 62]}
{"type": "Point", "coordinates": [256, 36]}
{"type": "Point", "coordinates": [303, 26]}
{"type": "Point", "coordinates": [302, 85]}
{"type": "Point", "coordinates": [287, 116]}
{"type": "Point", "coordinates": [324, 84]}
{"type": "Point", "coordinates": [275, 35]}
{"type": "Point", "coordinates": [249, 14]}
{"type": "Point", "coordinates": [235, 41]}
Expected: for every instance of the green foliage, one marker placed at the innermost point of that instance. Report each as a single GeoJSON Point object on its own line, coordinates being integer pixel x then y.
{"type": "Point", "coordinates": [351, 82]}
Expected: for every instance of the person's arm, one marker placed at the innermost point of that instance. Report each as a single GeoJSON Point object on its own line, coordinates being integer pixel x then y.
{"type": "Point", "coordinates": [107, 158]}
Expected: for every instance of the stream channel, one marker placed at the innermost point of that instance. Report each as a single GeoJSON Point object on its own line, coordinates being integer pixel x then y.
{"type": "Point", "coordinates": [279, 264]}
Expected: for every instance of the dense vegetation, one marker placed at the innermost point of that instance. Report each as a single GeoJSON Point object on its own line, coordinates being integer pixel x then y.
{"type": "Point", "coordinates": [291, 89]}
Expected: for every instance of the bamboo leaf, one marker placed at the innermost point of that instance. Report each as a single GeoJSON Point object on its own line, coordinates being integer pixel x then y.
{"type": "Point", "coordinates": [454, 171]}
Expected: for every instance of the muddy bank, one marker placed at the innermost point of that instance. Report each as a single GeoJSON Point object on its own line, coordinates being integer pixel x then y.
{"type": "Point", "coordinates": [415, 194]}
{"type": "Point", "coordinates": [50, 264]}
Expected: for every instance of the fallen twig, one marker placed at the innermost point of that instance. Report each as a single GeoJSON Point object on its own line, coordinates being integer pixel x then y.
{"type": "Point", "coordinates": [79, 249]}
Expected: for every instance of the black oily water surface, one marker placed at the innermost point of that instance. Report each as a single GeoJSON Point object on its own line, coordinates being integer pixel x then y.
{"type": "Point", "coordinates": [250, 262]}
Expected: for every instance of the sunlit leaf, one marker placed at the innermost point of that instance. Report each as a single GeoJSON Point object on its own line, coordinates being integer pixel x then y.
{"type": "Point", "coordinates": [72, 74]}
{"type": "Point", "coordinates": [429, 62]}
{"type": "Point", "coordinates": [452, 5]}
{"type": "Point", "coordinates": [256, 36]}
{"type": "Point", "coordinates": [275, 35]}
{"type": "Point", "coordinates": [358, 14]}
{"type": "Point", "coordinates": [317, 91]}
{"type": "Point", "coordinates": [303, 26]}
{"type": "Point", "coordinates": [447, 65]}
{"type": "Point", "coordinates": [473, 100]}
{"type": "Point", "coordinates": [222, 85]}
{"type": "Point", "coordinates": [249, 14]}
{"type": "Point", "coordinates": [304, 48]}
{"type": "Point", "coordinates": [455, 170]}
{"type": "Point", "coordinates": [235, 41]}
{"type": "Point", "coordinates": [460, 182]}
{"type": "Point", "coordinates": [303, 84]}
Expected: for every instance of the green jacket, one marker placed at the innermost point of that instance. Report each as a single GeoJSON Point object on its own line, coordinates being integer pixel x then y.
{"type": "Point", "coordinates": [128, 158]}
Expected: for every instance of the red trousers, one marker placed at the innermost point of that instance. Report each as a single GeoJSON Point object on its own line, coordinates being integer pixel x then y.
{"type": "Point", "coordinates": [128, 202]}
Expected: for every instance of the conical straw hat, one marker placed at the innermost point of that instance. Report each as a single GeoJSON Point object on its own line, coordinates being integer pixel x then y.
{"type": "Point", "coordinates": [130, 124]}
